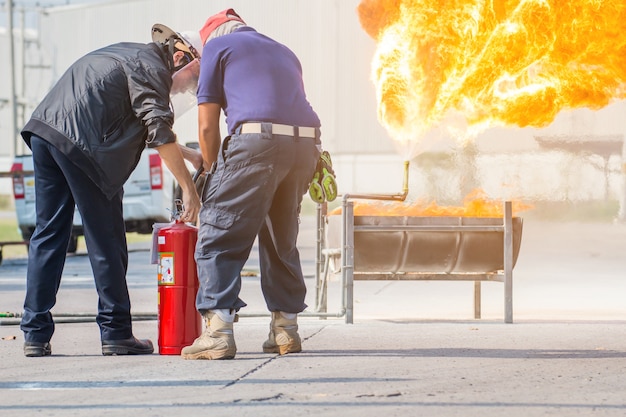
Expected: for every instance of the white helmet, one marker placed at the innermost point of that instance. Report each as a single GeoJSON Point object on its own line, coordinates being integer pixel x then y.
{"type": "Point", "coordinates": [190, 40]}
{"type": "Point", "coordinates": [185, 78]}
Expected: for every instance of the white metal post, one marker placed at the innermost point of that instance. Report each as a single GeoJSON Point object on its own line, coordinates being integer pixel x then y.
{"type": "Point", "coordinates": [508, 262]}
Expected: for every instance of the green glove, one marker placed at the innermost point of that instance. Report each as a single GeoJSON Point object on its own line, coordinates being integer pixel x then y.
{"type": "Point", "coordinates": [323, 186]}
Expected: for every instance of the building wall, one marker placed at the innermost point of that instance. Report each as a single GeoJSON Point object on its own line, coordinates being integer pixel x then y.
{"type": "Point", "coordinates": [336, 54]}
{"type": "Point", "coordinates": [325, 34]}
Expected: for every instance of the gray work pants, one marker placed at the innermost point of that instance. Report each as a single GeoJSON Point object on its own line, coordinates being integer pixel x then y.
{"type": "Point", "coordinates": [256, 190]}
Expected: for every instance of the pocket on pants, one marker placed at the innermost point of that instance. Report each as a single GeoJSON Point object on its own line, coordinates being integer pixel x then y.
{"type": "Point", "coordinates": [222, 219]}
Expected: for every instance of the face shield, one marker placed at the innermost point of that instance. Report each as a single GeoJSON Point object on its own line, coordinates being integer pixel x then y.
{"type": "Point", "coordinates": [184, 87]}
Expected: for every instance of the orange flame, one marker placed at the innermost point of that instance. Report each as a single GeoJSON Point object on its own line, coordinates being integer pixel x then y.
{"type": "Point", "coordinates": [475, 204]}
{"type": "Point", "coordinates": [494, 62]}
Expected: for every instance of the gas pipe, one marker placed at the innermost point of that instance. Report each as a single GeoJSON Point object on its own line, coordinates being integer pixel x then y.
{"type": "Point", "coordinates": [179, 321]}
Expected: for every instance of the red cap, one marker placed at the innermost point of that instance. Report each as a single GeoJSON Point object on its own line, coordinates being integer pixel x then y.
{"type": "Point", "coordinates": [216, 20]}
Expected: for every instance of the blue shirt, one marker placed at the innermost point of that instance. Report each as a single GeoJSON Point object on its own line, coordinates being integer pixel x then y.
{"type": "Point", "coordinates": [254, 79]}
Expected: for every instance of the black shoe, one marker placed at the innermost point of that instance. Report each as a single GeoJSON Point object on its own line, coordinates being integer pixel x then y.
{"type": "Point", "coordinates": [132, 346]}
{"type": "Point", "coordinates": [36, 349]}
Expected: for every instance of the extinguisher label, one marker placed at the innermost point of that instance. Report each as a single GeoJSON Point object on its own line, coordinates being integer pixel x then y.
{"type": "Point", "coordinates": [166, 268]}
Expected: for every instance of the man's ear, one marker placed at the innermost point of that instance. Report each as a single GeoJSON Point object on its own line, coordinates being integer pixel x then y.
{"type": "Point", "coordinates": [177, 57]}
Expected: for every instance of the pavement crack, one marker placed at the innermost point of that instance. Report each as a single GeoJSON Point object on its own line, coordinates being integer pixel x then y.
{"type": "Point", "coordinates": [314, 334]}
{"type": "Point", "coordinates": [393, 394]}
{"type": "Point", "coordinates": [250, 372]}
{"type": "Point", "coordinates": [273, 397]}
{"type": "Point", "coordinates": [265, 363]}
{"type": "Point", "coordinates": [383, 288]}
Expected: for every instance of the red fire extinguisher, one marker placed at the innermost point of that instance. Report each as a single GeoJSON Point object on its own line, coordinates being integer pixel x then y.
{"type": "Point", "coordinates": [179, 321]}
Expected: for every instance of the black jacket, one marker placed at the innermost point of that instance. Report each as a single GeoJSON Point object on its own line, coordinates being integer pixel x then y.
{"type": "Point", "coordinates": [104, 110]}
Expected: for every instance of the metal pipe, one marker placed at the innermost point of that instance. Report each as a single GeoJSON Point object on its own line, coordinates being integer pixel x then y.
{"type": "Point", "coordinates": [13, 319]}
{"type": "Point", "coordinates": [347, 260]}
{"type": "Point", "coordinates": [339, 314]}
{"type": "Point", "coordinates": [320, 291]}
{"type": "Point", "coordinates": [12, 93]}
{"type": "Point", "coordinates": [405, 180]}
{"type": "Point", "coordinates": [392, 197]}
{"type": "Point", "coordinates": [55, 315]}
{"type": "Point", "coordinates": [508, 262]}
{"type": "Point", "coordinates": [347, 239]}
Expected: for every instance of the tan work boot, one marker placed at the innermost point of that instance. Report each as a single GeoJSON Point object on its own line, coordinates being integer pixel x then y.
{"type": "Point", "coordinates": [216, 342]}
{"type": "Point", "coordinates": [283, 337]}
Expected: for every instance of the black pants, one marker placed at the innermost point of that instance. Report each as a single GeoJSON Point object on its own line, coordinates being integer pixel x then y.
{"type": "Point", "coordinates": [59, 186]}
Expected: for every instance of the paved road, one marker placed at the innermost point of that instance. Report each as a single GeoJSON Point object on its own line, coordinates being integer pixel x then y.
{"type": "Point", "coordinates": [414, 348]}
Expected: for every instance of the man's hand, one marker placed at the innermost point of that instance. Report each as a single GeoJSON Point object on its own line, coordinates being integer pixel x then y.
{"type": "Point", "coordinates": [172, 156]}
{"type": "Point", "coordinates": [191, 203]}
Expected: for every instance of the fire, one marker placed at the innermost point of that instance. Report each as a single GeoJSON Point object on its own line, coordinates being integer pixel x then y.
{"type": "Point", "coordinates": [492, 62]}
{"type": "Point", "coordinates": [475, 204]}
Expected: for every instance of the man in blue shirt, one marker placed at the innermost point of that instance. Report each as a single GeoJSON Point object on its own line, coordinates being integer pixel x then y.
{"type": "Point", "coordinates": [259, 175]}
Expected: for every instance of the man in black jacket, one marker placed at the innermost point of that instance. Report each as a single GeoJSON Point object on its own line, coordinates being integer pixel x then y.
{"type": "Point", "coordinates": [87, 136]}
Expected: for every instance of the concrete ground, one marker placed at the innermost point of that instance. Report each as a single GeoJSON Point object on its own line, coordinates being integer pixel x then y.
{"type": "Point", "coordinates": [414, 348]}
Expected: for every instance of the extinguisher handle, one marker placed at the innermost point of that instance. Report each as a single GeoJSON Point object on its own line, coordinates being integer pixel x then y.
{"type": "Point", "coordinates": [179, 208]}
{"type": "Point", "coordinates": [197, 174]}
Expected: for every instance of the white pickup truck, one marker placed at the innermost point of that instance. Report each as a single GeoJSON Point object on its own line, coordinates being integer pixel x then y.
{"type": "Point", "coordinates": [148, 196]}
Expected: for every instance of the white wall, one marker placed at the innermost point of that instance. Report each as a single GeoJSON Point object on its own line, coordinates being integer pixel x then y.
{"type": "Point", "coordinates": [325, 34]}
{"type": "Point", "coordinates": [335, 54]}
